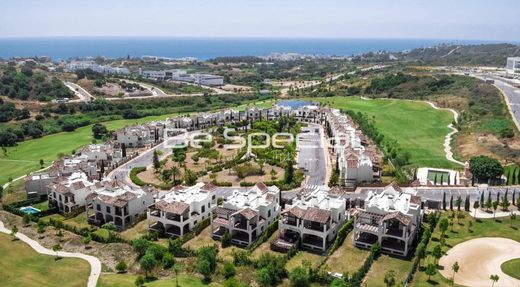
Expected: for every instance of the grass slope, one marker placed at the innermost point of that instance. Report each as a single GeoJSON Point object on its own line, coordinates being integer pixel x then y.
{"type": "Point", "coordinates": [20, 265]}
{"type": "Point", "coordinates": [416, 126]}
{"type": "Point", "coordinates": [512, 268]}
{"type": "Point", "coordinates": [118, 280]}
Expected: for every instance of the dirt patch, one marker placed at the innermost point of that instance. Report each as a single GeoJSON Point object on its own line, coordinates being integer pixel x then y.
{"type": "Point", "coordinates": [229, 175]}
{"type": "Point", "coordinates": [468, 145]}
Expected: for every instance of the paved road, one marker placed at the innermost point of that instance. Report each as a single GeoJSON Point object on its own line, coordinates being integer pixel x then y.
{"type": "Point", "coordinates": [80, 92]}
{"type": "Point", "coordinates": [311, 156]}
{"type": "Point", "coordinates": [95, 264]}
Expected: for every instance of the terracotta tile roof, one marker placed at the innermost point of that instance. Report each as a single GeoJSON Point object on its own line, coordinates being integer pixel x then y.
{"type": "Point", "coordinates": [270, 197]}
{"type": "Point", "coordinates": [261, 186]}
{"type": "Point", "coordinates": [209, 187]}
{"type": "Point", "coordinates": [317, 215]}
{"type": "Point", "coordinates": [415, 199]}
{"type": "Point", "coordinates": [174, 207]}
{"type": "Point", "coordinates": [296, 211]}
{"type": "Point", "coordinates": [248, 213]}
{"type": "Point", "coordinates": [223, 211]}
{"type": "Point", "coordinates": [395, 186]}
{"type": "Point", "coordinates": [398, 216]}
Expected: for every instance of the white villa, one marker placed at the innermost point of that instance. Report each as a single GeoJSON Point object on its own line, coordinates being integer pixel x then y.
{"type": "Point", "coordinates": [312, 220]}
{"type": "Point", "coordinates": [392, 218]}
{"type": "Point", "coordinates": [113, 201]}
{"type": "Point", "coordinates": [246, 214]}
{"type": "Point", "coordinates": [139, 136]}
{"type": "Point", "coordinates": [181, 209]}
{"type": "Point", "coordinates": [69, 193]}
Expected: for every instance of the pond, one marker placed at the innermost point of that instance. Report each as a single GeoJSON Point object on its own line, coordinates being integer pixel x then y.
{"type": "Point", "coordinates": [294, 104]}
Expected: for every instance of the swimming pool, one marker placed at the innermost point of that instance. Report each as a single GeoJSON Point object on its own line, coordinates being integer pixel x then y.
{"type": "Point", "coordinates": [294, 104]}
{"type": "Point", "coordinates": [30, 210]}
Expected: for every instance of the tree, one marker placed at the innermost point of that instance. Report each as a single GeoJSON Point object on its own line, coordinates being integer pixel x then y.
{"type": "Point", "coordinates": [229, 270]}
{"type": "Point", "coordinates": [263, 277]}
{"type": "Point", "coordinates": [190, 178]}
{"type": "Point", "coordinates": [123, 150]}
{"type": "Point", "coordinates": [41, 228]}
{"type": "Point", "coordinates": [86, 240]}
{"type": "Point", "coordinates": [485, 168]}
{"type": "Point", "coordinates": [421, 252]}
{"type": "Point", "coordinates": [389, 278]}
{"type": "Point", "coordinates": [437, 252]}
{"type": "Point", "coordinates": [175, 172]}
{"type": "Point", "coordinates": [56, 248]}
{"type": "Point", "coordinates": [455, 268]}
{"type": "Point", "coordinates": [489, 203]}
{"type": "Point", "coordinates": [14, 230]}
{"type": "Point", "coordinates": [431, 269]}
{"type": "Point", "coordinates": [494, 278]}
{"type": "Point", "coordinates": [140, 246]}
{"type": "Point", "coordinates": [26, 219]}
{"type": "Point", "coordinates": [139, 281]}
{"type": "Point", "coordinates": [458, 202]}
{"type": "Point", "coordinates": [148, 263]}
{"type": "Point", "coordinates": [41, 163]}
{"type": "Point", "coordinates": [338, 282]}
{"type": "Point", "coordinates": [299, 277]}
{"type": "Point", "coordinates": [99, 131]}
{"type": "Point", "coordinates": [207, 261]}
{"type": "Point", "coordinates": [289, 172]}
{"type": "Point", "coordinates": [504, 203]}
{"type": "Point", "coordinates": [156, 162]}
{"type": "Point", "coordinates": [226, 240]}
{"type": "Point", "coordinates": [495, 206]}
{"type": "Point", "coordinates": [467, 203]}
{"type": "Point", "coordinates": [121, 266]}
{"type": "Point", "coordinates": [60, 235]}
{"type": "Point", "coordinates": [177, 267]}
{"type": "Point", "coordinates": [512, 216]}
{"type": "Point", "coordinates": [443, 225]}
{"type": "Point", "coordinates": [476, 205]}
{"type": "Point", "coordinates": [444, 201]}
{"type": "Point", "coordinates": [451, 202]}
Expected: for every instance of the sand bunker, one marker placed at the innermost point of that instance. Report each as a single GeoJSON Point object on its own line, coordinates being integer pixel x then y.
{"type": "Point", "coordinates": [478, 259]}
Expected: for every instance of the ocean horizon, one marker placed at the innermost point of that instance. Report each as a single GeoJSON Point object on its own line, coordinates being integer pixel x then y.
{"type": "Point", "coordinates": [64, 48]}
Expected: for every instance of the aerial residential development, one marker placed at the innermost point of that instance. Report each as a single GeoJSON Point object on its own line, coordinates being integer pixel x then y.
{"type": "Point", "coordinates": [261, 144]}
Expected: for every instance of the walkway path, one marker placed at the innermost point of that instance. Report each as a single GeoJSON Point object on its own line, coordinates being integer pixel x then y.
{"type": "Point", "coordinates": [95, 264]}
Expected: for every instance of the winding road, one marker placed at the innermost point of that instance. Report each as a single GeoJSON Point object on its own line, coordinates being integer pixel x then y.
{"type": "Point", "coordinates": [95, 264]}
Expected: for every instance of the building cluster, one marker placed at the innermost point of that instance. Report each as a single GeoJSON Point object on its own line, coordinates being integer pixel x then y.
{"type": "Point", "coordinates": [140, 135]}
{"type": "Point", "coordinates": [84, 65]}
{"type": "Point", "coordinates": [183, 76]}
{"type": "Point", "coordinates": [356, 158]}
{"type": "Point", "coordinates": [513, 65]}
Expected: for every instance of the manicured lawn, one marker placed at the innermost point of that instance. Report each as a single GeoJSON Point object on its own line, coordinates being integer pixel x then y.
{"type": "Point", "coordinates": [512, 268]}
{"type": "Point", "coordinates": [348, 258]}
{"type": "Point", "coordinates": [461, 233]}
{"type": "Point", "coordinates": [438, 176]}
{"type": "Point", "coordinates": [301, 257]}
{"type": "Point", "coordinates": [20, 265]}
{"type": "Point", "coordinates": [120, 280]}
{"type": "Point", "coordinates": [417, 127]}
{"type": "Point", "coordinates": [376, 274]}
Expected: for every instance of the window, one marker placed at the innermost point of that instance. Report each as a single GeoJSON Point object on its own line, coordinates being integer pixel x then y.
{"type": "Point", "coordinates": [203, 209]}
{"type": "Point", "coordinates": [269, 213]}
{"type": "Point", "coordinates": [108, 209]}
{"type": "Point", "coordinates": [98, 207]}
{"type": "Point", "coordinates": [213, 197]}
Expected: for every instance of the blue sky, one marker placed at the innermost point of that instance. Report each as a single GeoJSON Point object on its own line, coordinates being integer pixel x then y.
{"type": "Point", "coordinates": [439, 19]}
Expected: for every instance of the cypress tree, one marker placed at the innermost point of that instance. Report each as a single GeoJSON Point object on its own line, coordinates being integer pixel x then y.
{"type": "Point", "coordinates": [482, 198]}
{"type": "Point", "coordinates": [442, 179]}
{"type": "Point", "coordinates": [514, 197]}
{"type": "Point", "coordinates": [451, 202]}
{"type": "Point", "coordinates": [467, 203]}
{"type": "Point", "coordinates": [498, 196]}
{"type": "Point", "coordinates": [513, 179]}
{"type": "Point", "coordinates": [123, 150]}
{"type": "Point", "coordinates": [435, 180]}
{"type": "Point", "coordinates": [444, 201]}
{"type": "Point", "coordinates": [508, 176]}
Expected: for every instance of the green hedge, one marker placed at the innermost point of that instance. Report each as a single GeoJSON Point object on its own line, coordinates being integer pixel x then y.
{"type": "Point", "coordinates": [265, 235]}
{"type": "Point", "coordinates": [342, 234]}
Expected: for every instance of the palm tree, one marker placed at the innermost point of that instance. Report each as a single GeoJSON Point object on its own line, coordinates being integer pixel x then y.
{"type": "Point", "coordinates": [175, 172]}
{"type": "Point", "coordinates": [494, 278]}
{"type": "Point", "coordinates": [455, 267]}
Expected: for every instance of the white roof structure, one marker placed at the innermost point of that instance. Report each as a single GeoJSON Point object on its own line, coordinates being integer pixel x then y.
{"type": "Point", "coordinates": [393, 198]}
{"type": "Point", "coordinates": [197, 193]}
{"type": "Point", "coordinates": [254, 197]}
{"type": "Point", "coordinates": [319, 198]}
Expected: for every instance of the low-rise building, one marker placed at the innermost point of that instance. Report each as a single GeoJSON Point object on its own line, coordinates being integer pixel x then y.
{"type": "Point", "coordinates": [139, 136]}
{"type": "Point", "coordinates": [391, 218]}
{"type": "Point", "coordinates": [208, 80]}
{"type": "Point", "coordinates": [513, 64]}
{"type": "Point", "coordinates": [116, 203]}
{"type": "Point", "coordinates": [69, 193]}
{"type": "Point", "coordinates": [311, 221]}
{"type": "Point", "coordinates": [36, 184]}
{"type": "Point", "coordinates": [246, 214]}
{"type": "Point", "coordinates": [179, 211]}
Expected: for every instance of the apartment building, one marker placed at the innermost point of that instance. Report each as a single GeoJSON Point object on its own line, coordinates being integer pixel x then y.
{"type": "Point", "coordinates": [208, 80]}
{"type": "Point", "coordinates": [311, 221]}
{"type": "Point", "coordinates": [139, 136]}
{"type": "Point", "coordinates": [355, 160]}
{"type": "Point", "coordinates": [179, 211]}
{"type": "Point", "coordinates": [83, 65]}
{"type": "Point", "coordinates": [69, 193]}
{"type": "Point", "coordinates": [117, 203]}
{"type": "Point", "coordinates": [246, 214]}
{"type": "Point", "coordinates": [391, 218]}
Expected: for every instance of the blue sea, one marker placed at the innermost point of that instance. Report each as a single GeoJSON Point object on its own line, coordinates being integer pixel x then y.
{"type": "Point", "coordinates": [201, 48]}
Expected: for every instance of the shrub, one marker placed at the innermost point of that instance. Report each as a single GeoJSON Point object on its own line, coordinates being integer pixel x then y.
{"type": "Point", "coordinates": [168, 260]}
{"type": "Point", "coordinates": [226, 240]}
{"type": "Point", "coordinates": [229, 270]}
{"type": "Point", "coordinates": [121, 267]}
